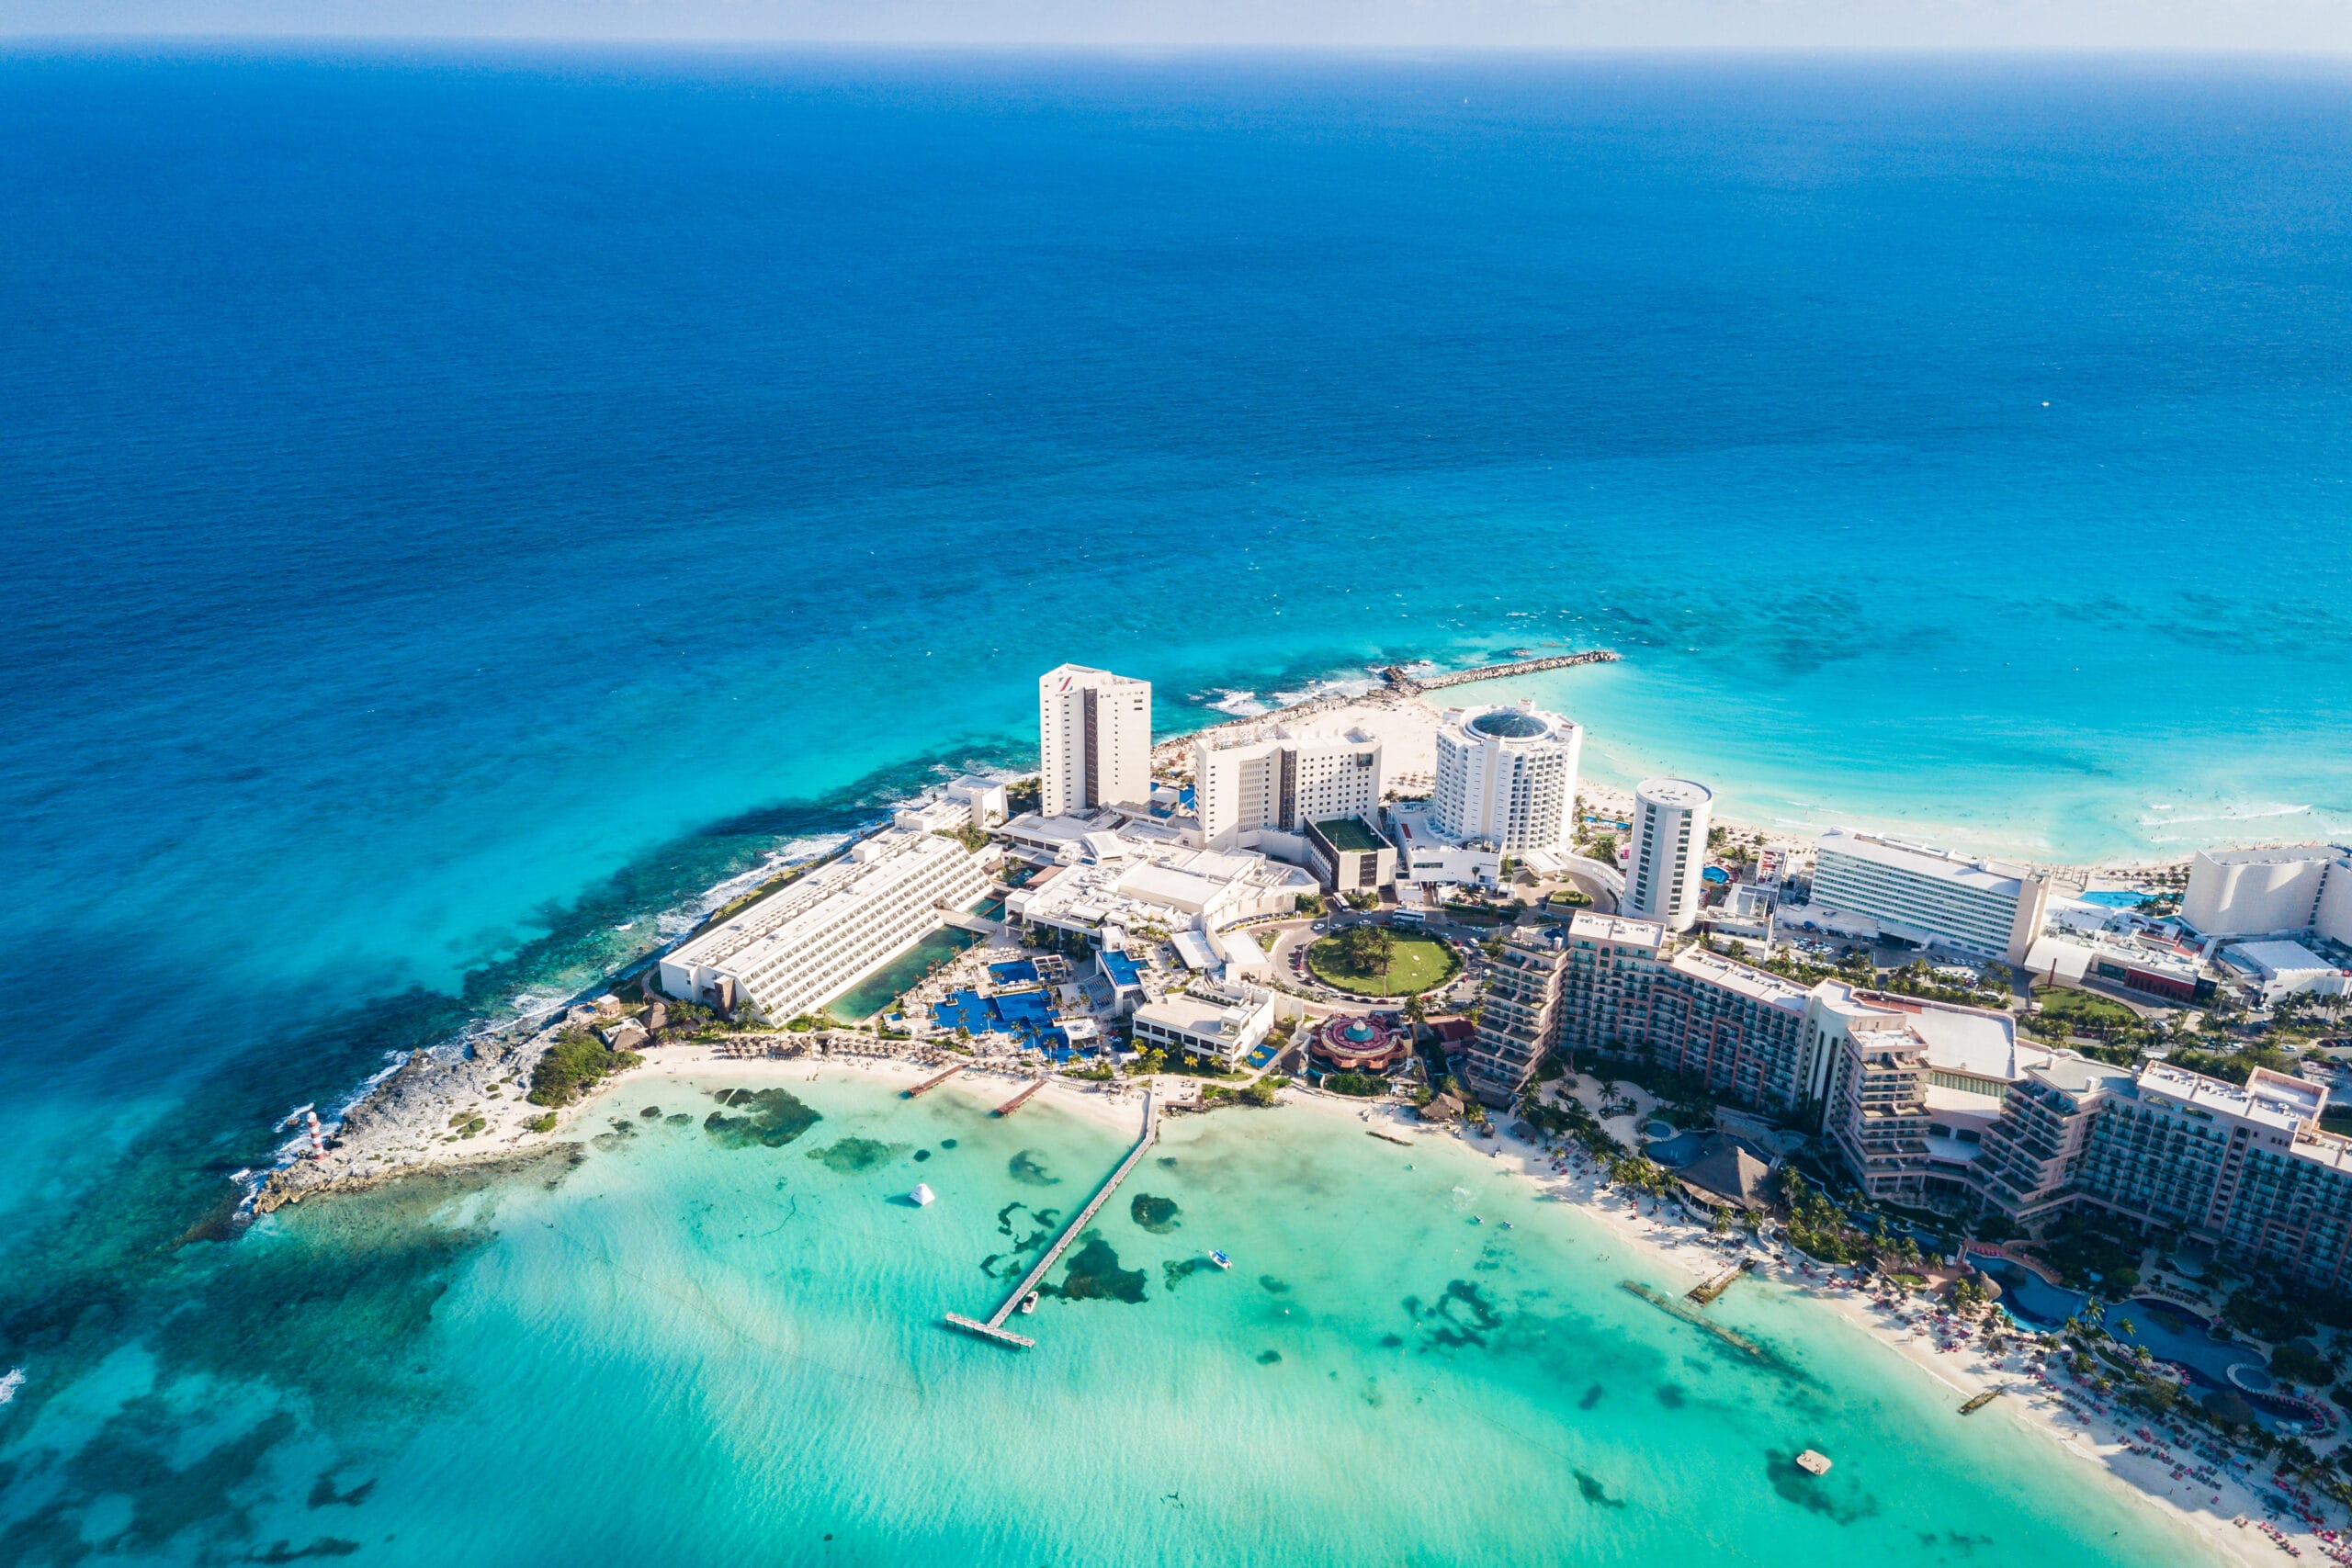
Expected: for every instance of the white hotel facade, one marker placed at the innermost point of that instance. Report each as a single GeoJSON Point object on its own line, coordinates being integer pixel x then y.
{"type": "Point", "coordinates": [1093, 739]}
{"type": "Point", "coordinates": [807, 942]}
{"type": "Point", "coordinates": [1283, 784]}
{"type": "Point", "coordinates": [1664, 874]}
{"type": "Point", "coordinates": [1506, 778]}
{"type": "Point", "coordinates": [1930, 896]}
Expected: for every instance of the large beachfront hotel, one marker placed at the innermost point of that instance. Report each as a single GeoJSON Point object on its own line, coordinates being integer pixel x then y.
{"type": "Point", "coordinates": [813, 939]}
{"type": "Point", "coordinates": [1927, 1102]}
{"type": "Point", "coordinates": [1929, 896]}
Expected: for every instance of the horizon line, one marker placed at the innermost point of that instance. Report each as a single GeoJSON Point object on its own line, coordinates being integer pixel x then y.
{"type": "Point", "coordinates": [2279, 54]}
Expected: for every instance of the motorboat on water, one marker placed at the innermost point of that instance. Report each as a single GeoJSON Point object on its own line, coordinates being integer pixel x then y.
{"type": "Point", "coordinates": [1029, 1303]}
{"type": "Point", "coordinates": [923, 1195]}
{"type": "Point", "coordinates": [11, 1384]}
{"type": "Point", "coordinates": [1220, 1260]}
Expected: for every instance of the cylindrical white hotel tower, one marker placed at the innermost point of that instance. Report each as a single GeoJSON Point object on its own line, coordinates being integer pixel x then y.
{"type": "Point", "coordinates": [1663, 877]}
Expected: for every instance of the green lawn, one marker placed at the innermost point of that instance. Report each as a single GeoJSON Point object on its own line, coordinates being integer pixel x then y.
{"type": "Point", "coordinates": [2082, 1007]}
{"type": "Point", "coordinates": [1417, 964]}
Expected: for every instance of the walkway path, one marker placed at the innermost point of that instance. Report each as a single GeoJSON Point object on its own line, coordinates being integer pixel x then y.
{"type": "Point", "coordinates": [994, 1327]}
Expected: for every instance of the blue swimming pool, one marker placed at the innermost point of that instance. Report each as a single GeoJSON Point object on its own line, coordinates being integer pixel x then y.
{"type": "Point", "coordinates": [2112, 897]}
{"type": "Point", "coordinates": [1675, 1152]}
{"type": "Point", "coordinates": [2174, 1333]}
{"type": "Point", "coordinates": [1027, 1016]}
{"type": "Point", "coordinates": [2030, 1301]}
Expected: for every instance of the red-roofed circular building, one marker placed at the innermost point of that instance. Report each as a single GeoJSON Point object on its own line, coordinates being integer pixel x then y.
{"type": "Point", "coordinates": [1360, 1045]}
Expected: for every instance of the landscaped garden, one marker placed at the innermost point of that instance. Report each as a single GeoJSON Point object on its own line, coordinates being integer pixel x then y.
{"type": "Point", "coordinates": [1370, 961]}
{"type": "Point", "coordinates": [2081, 1012]}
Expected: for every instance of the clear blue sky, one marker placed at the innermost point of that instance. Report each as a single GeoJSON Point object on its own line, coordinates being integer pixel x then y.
{"type": "Point", "coordinates": [2300, 25]}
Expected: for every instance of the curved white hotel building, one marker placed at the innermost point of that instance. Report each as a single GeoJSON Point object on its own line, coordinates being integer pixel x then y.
{"type": "Point", "coordinates": [1663, 876]}
{"type": "Point", "coordinates": [1507, 777]}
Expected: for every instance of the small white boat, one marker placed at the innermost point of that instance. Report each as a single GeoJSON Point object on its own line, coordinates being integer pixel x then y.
{"type": "Point", "coordinates": [923, 1195]}
{"type": "Point", "coordinates": [1814, 1462]}
{"type": "Point", "coordinates": [1220, 1260]}
{"type": "Point", "coordinates": [11, 1384]}
{"type": "Point", "coordinates": [1029, 1303]}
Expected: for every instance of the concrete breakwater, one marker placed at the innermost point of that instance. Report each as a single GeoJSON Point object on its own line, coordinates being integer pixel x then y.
{"type": "Point", "coordinates": [1396, 688]}
{"type": "Point", "coordinates": [1398, 680]}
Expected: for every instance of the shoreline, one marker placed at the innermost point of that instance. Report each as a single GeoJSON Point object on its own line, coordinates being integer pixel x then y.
{"type": "Point", "coordinates": [1659, 1240]}
{"type": "Point", "coordinates": [1659, 1237]}
{"type": "Point", "coordinates": [1687, 1253]}
{"type": "Point", "coordinates": [1411, 717]}
{"type": "Point", "coordinates": [461, 1105]}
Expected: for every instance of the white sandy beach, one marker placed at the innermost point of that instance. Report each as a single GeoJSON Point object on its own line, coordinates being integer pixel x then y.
{"type": "Point", "coordinates": [1662, 1236]}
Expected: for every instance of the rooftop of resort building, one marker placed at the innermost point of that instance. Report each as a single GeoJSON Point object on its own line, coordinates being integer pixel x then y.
{"type": "Point", "coordinates": [1989, 876]}
{"type": "Point", "coordinates": [1760, 985]}
{"type": "Point", "coordinates": [1348, 836]}
{"type": "Point", "coordinates": [872, 869]}
{"type": "Point", "coordinates": [1616, 928]}
{"type": "Point", "coordinates": [2081, 1075]}
{"type": "Point", "coordinates": [1509, 723]}
{"type": "Point", "coordinates": [1973, 1041]}
{"type": "Point", "coordinates": [1144, 875]}
{"type": "Point", "coordinates": [2274, 958]}
{"type": "Point", "coordinates": [2271, 1100]}
{"type": "Point", "coordinates": [1206, 1011]}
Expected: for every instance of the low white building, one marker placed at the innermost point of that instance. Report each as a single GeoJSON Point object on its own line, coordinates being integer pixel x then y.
{"type": "Point", "coordinates": [1140, 876]}
{"type": "Point", "coordinates": [808, 941]}
{"type": "Point", "coordinates": [1425, 854]}
{"type": "Point", "coordinates": [1222, 1022]}
{"type": "Point", "coordinates": [1046, 839]}
{"type": "Point", "coordinates": [985, 799]}
{"type": "Point", "coordinates": [969, 802]}
{"type": "Point", "coordinates": [1244, 959]}
{"type": "Point", "coordinates": [1745, 913]}
{"type": "Point", "coordinates": [2280, 968]}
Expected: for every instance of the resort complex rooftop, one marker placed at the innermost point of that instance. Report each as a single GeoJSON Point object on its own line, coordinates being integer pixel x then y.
{"type": "Point", "coordinates": [1142, 875]}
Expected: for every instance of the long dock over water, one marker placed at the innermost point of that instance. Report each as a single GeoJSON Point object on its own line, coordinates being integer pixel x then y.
{"type": "Point", "coordinates": [994, 1328]}
{"type": "Point", "coordinates": [1018, 1101]}
{"type": "Point", "coordinates": [1400, 681]}
{"type": "Point", "coordinates": [931, 1083]}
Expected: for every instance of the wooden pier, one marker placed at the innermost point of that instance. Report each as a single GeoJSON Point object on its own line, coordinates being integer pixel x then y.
{"type": "Point", "coordinates": [994, 1328]}
{"type": "Point", "coordinates": [1703, 1294]}
{"type": "Point", "coordinates": [1409, 684]}
{"type": "Point", "coordinates": [1018, 1101]}
{"type": "Point", "coordinates": [931, 1083]}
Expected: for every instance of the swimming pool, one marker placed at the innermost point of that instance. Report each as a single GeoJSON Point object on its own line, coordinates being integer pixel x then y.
{"type": "Point", "coordinates": [1675, 1152]}
{"type": "Point", "coordinates": [2031, 1301]}
{"type": "Point", "coordinates": [2174, 1333]}
{"type": "Point", "coordinates": [1027, 1016]}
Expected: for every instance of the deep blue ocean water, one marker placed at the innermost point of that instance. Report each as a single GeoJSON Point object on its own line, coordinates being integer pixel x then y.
{"type": "Point", "coordinates": [462, 505]}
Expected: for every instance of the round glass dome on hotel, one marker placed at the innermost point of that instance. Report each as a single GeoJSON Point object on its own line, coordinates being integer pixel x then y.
{"type": "Point", "coordinates": [1509, 723]}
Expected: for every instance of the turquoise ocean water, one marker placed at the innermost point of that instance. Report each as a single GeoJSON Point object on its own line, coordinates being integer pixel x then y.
{"type": "Point", "coordinates": [688, 1349]}
{"type": "Point", "coordinates": [463, 506]}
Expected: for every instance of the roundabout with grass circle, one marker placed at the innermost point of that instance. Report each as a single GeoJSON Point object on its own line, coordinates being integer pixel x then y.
{"type": "Point", "coordinates": [1367, 961]}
